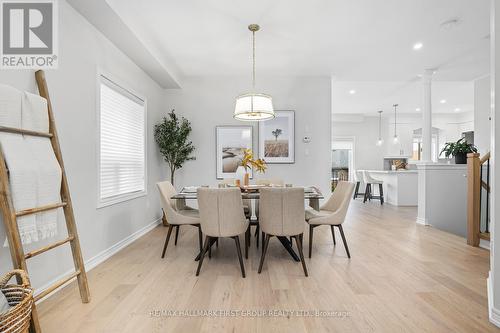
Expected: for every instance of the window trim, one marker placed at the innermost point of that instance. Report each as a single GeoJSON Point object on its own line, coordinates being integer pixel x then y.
{"type": "Point", "coordinates": [101, 203]}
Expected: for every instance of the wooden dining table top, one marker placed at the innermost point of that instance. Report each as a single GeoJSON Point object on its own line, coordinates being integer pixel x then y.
{"type": "Point", "coordinates": [247, 192]}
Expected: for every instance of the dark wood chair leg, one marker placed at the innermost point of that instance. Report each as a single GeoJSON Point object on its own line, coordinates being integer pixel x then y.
{"type": "Point", "coordinates": [356, 191]}
{"type": "Point", "coordinates": [263, 235]}
{"type": "Point", "coordinates": [265, 244]}
{"type": "Point", "coordinates": [238, 249]}
{"type": "Point", "coordinates": [170, 228]}
{"type": "Point", "coordinates": [200, 238]}
{"type": "Point", "coordinates": [365, 197]}
{"type": "Point", "coordinates": [210, 249]}
{"type": "Point", "coordinates": [311, 230]}
{"type": "Point", "coordinates": [381, 193]}
{"type": "Point", "coordinates": [176, 234]}
{"type": "Point", "coordinates": [249, 235]}
{"type": "Point", "coordinates": [333, 234]}
{"type": "Point", "coordinates": [247, 241]}
{"type": "Point", "coordinates": [291, 241]}
{"type": "Point", "coordinates": [205, 249]}
{"type": "Point", "coordinates": [343, 239]}
{"type": "Point", "coordinates": [370, 194]}
{"type": "Point", "coordinates": [257, 236]}
{"type": "Point", "coordinates": [217, 242]}
{"type": "Point", "coordinates": [298, 240]}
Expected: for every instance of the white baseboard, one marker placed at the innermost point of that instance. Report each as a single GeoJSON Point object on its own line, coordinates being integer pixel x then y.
{"type": "Point", "coordinates": [422, 221]}
{"type": "Point", "coordinates": [484, 244]}
{"type": "Point", "coordinates": [494, 314]}
{"type": "Point", "coordinates": [102, 256]}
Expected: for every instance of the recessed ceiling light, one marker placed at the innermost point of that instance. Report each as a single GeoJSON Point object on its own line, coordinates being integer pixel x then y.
{"type": "Point", "coordinates": [417, 46]}
{"type": "Point", "coordinates": [443, 101]}
{"type": "Point", "coordinates": [417, 109]}
{"type": "Point", "coordinates": [352, 91]}
{"type": "Point", "coordinates": [457, 110]}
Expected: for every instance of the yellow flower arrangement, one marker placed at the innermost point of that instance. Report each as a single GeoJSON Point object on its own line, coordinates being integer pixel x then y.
{"type": "Point", "coordinates": [249, 162]}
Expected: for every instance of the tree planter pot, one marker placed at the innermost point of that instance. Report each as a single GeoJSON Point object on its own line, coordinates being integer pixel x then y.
{"type": "Point", "coordinates": [461, 158]}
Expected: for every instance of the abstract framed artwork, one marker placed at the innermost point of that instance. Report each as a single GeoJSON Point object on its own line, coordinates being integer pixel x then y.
{"type": "Point", "coordinates": [231, 141]}
{"type": "Point", "coordinates": [277, 138]}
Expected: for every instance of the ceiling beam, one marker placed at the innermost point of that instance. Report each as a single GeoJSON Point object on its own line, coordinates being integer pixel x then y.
{"type": "Point", "coordinates": [107, 21]}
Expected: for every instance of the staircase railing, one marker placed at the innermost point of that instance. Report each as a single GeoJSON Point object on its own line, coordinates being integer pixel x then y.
{"type": "Point", "coordinates": [478, 197]}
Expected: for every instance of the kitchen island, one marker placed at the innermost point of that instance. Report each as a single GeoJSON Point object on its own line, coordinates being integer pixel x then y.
{"type": "Point", "coordinates": [400, 187]}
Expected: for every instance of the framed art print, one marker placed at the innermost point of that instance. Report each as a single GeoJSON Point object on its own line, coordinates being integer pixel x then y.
{"type": "Point", "coordinates": [231, 142]}
{"type": "Point", "coordinates": [277, 138]}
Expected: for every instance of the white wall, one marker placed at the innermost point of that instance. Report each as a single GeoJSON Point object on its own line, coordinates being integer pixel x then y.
{"type": "Point", "coordinates": [367, 155]}
{"type": "Point", "coordinates": [73, 92]}
{"type": "Point", "coordinates": [482, 110]}
{"type": "Point", "coordinates": [209, 101]}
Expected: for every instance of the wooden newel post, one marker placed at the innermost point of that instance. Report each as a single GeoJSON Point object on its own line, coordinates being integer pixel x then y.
{"type": "Point", "coordinates": [473, 198]}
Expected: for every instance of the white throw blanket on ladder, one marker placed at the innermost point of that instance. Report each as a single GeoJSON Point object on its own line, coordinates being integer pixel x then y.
{"type": "Point", "coordinates": [34, 173]}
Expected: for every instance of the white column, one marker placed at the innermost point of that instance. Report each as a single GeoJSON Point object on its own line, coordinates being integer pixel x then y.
{"type": "Point", "coordinates": [494, 276]}
{"type": "Point", "coordinates": [427, 116]}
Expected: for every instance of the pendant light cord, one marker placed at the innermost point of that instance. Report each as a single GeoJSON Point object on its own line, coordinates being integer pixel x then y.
{"type": "Point", "coordinates": [253, 69]}
{"type": "Point", "coordinates": [379, 125]}
{"type": "Point", "coordinates": [395, 106]}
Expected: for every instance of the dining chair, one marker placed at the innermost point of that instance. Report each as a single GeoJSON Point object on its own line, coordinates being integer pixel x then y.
{"type": "Point", "coordinates": [176, 215]}
{"type": "Point", "coordinates": [247, 208]}
{"type": "Point", "coordinates": [369, 181]}
{"type": "Point", "coordinates": [282, 215]}
{"type": "Point", "coordinates": [332, 213]}
{"type": "Point", "coordinates": [265, 182]}
{"type": "Point", "coordinates": [247, 203]}
{"type": "Point", "coordinates": [221, 215]}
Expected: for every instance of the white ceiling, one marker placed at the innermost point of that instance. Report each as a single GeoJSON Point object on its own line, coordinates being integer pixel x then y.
{"type": "Point", "coordinates": [354, 40]}
{"type": "Point", "coordinates": [373, 96]}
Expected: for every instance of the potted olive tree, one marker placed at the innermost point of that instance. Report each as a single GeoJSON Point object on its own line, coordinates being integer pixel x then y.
{"type": "Point", "coordinates": [172, 137]}
{"type": "Point", "coordinates": [459, 150]}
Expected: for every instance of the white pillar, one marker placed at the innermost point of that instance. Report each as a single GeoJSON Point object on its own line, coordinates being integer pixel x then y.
{"type": "Point", "coordinates": [494, 276]}
{"type": "Point", "coordinates": [427, 116]}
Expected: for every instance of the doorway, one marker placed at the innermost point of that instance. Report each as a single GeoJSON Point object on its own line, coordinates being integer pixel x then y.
{"type": "Point", "coordinates": [342, 160]}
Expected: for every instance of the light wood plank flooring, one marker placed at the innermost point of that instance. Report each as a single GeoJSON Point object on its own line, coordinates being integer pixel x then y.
{"type": "Point", "coordinates": [402, 277]}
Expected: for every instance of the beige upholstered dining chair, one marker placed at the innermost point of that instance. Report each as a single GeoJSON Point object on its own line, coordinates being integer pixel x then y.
{"type": "Point", "coordinates": [247, 204]}
{"type": "Point", "coordinates": [176, 215]}
{"type": "Point", "coordinates": [221, 215]}
{"type": "Point", "coordinates": [282, 215]}
{"type": "Point", "coordinates": [332, 213]}
{"type": "Point", "coordinates": [247, 207]}
{"type": "Point", "coordinates": [265, 182]}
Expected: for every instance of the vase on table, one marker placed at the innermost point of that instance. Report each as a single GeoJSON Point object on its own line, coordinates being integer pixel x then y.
{"type": "Point", "coordinates": [242, 175]}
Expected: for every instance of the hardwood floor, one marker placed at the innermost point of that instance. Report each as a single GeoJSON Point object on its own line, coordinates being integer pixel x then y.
{"type": "Point", "coordinates": [402, 277]}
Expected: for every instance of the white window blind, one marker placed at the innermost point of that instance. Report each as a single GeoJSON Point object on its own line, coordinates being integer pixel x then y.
{"type": "Point", "coordinates": [122, 171]}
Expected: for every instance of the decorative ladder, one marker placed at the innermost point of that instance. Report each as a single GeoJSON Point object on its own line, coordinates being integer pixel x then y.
{"type": "Point", "coordinates": [10, 215]}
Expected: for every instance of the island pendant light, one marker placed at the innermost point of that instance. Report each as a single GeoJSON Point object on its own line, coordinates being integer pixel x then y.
{"type": "Point", "coordinates": [253, 106]}
{"type": "Point", "coordinates": [395, 138]}
{"type": "Point", "coordinates": [380, 141]}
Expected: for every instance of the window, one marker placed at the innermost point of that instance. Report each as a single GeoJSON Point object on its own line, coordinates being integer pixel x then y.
{"type": "Point", "coordinates": [122, 163]}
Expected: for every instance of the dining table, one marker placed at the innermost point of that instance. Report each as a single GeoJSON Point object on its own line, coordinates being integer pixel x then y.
{"type": "Point", "coordinates": [311, 193]}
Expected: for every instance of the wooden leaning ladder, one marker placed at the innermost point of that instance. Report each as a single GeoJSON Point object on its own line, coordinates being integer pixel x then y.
{"type": "Point", "coordinates": [10, 215]}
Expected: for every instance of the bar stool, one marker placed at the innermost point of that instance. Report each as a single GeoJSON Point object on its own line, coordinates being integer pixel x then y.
{"type": "Point", "coordinates": [369, 181]}
{"type": "Point", "coordinates": [357, 175]}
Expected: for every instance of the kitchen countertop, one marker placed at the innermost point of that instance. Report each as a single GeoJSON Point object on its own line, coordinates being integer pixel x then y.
{"type": "Point", "coordinates": [391, 171]}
